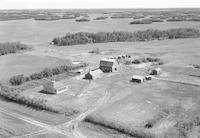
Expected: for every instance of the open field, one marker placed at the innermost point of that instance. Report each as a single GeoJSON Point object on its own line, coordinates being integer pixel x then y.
{"type": "Point", "coordinates": [11, 126]}
{"type": "Point", "coordinates": [15, 64]}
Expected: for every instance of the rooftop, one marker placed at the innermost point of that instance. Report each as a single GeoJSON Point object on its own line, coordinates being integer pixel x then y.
{"type": "Point", "coordinates": [109, 60]}
{"type": "Point", "coordinates": [137, 77]}
{"type": "Point", "coordinates": [58, 84]}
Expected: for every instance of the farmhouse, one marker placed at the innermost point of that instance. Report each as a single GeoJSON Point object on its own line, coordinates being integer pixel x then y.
{"type": "Point", "coordinates": [54, 87]}
{"type": "Point", "coordinates": [108, 65]}
{"type": "Point", "coordinates": [138, 79]}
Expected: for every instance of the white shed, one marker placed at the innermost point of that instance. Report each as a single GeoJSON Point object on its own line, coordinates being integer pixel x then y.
{"type": "Point", "coordinates": [54, 87]}
{"type": "Point", "coordinates": [138, 79]}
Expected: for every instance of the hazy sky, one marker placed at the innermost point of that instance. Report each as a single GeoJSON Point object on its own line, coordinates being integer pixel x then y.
{"type": "Point", "coordinates": [71, 4]}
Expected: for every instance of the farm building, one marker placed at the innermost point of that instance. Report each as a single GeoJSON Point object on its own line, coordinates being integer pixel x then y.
{"type": "Point", "coordinates": [155, 71]}
{"type": "Point", "coordinates": [54, 87]}
{"type": "Point", "coordinates": [108, 65]}
{"type": "Point", "coordinates": [93, 74]}
{"type": "Point", "coordinates": [88, 76]}
{"type": "Point", "coordinates": [138, 79]}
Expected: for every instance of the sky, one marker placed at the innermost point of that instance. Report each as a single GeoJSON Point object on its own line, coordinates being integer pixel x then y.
{"type": "Point", "coordinates": [96, 4]}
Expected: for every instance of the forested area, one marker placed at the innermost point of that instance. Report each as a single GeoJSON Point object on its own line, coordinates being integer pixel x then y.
{"type": "Point", "coordinates": [120, 36]}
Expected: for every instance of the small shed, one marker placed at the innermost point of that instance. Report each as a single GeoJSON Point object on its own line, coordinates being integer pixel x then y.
{"type": "Point", "coordinates": [88, 76]}
{"type": "Point", "coordinates": [138, 79]}
{"type": "Point", "coordinates": [109, 65]}
{"type": "Point", "coordinates": [93, 74]}
{"type": "Point", "coordinates": [155, 71]}
{"type": "Point", "coordinates": [54, 87]}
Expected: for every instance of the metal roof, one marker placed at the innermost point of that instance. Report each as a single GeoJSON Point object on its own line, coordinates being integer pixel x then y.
{"type": "Point", "coordinates": [108, 60]}
{"type": "Point", "coordinates": [138, 77]}
{"type": "Point", "coordinates": [58, 85]}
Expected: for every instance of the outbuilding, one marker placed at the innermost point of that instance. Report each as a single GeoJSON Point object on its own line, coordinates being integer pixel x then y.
{"type": "Point", "coordinates": [88, 76]}
{"type": "Point", "coordinates": [155, 71]}
{"type": "Point", "coordinates": [54, 87]}
{"type": "Point", "coordinates": [93, 74]}
{"type": "Point", "coordinates": [138, 79]}
{"type": "Point", "coordinates": [109, 65]}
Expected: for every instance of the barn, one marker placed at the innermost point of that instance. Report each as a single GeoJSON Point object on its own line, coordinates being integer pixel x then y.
{"type": "Point", "coordinates": [109, 65]}
{"type": "Point", "coordinates": [54, 87]}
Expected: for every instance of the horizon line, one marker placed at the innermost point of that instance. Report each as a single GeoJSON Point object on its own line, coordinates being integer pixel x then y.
{"type": "Point", "coordinates": [140, 8]}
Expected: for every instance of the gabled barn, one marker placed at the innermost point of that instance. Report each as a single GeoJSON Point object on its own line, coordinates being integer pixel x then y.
{"type": "Point", "coordinates": [109, 65]}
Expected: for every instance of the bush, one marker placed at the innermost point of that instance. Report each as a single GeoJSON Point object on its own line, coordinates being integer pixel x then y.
{"type": "Point", "coordinates": [47, 17]}
{"type": "Point", "coordinates": [155, 61]}
{"type": "Point", "coordinates": [103, 37]}
{"type": "Point", "coordinates": [95, 51]}
{"type": "Point", "coordinates": [176, 19]}
{"type": "Point", "coordinates": [136, 61]}
{"type": "Point", "coordinates": [101, 18]}
{"type": "Point", "coordinates": [121, 16]}
{"type": "Point", "coordinates": [6, 48]}
{"type": "Point", "coordinates": [127, 62]}
{"type": "Point", "coordinates": [17, 80]}
{"type": "Point", "coordinates": [145, 21]}
{"type": "Point", "coordinates": [82, 20]}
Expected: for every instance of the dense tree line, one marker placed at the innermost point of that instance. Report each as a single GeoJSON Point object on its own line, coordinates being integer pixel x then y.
{"type": "Point", "coordinates": [47, 17]}
{"type": "Point", "coordinates": [154, 60]}
{"type": "Point", "coordinates": [147, 35]}
{"type": "Point", "coordinates": [6, 48]}
{"type": "Point", "coordinates": [101, 18]}
{"type": "Point", "coordinates": [47, 72]}
{"type": "Point", "coordinates": [82, 20]}
{"type": "Point", "coordinates": [141, 22]}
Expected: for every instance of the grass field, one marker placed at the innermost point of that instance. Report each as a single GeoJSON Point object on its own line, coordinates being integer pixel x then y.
{"type": "Point", "coordinates": [15, 64]}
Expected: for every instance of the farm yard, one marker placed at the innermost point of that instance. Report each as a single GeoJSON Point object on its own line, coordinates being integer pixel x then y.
{"type": "Point", "coordinates": [107, 105]}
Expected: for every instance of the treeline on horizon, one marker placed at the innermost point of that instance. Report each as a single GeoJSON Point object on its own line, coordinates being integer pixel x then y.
{"type": "Point", "coordinates": [11, 47]}
{"type": "Point", "coordinates": [120, 36]}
